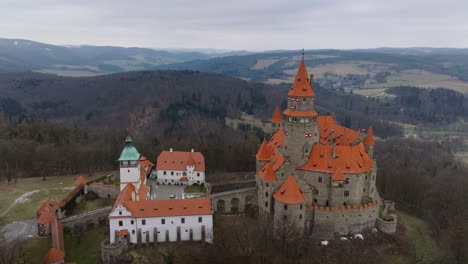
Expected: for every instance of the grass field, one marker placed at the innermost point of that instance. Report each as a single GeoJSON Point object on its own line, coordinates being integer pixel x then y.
{"type": "Point", "coordinates": [86, 248]}
{"type": "Point", "coordinates": [195, 189]}
{"type": "Point", "coordinates": [34, 249]}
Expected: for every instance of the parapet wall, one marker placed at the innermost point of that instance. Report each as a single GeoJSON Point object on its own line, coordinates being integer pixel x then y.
{"type": "Point", "coordinates": [342, 220]}
{"type": "Point", "coordinates": [389, 225]}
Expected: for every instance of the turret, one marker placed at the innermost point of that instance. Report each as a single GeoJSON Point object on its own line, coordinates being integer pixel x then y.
{"type": "Point", "coordinates": [276, 119]}
{"type": "Point", "coordinates": [129, 164]}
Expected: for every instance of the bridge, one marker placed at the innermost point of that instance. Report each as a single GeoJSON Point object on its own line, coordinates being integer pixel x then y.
{"type": "Point", "coordinates": [235, 201]}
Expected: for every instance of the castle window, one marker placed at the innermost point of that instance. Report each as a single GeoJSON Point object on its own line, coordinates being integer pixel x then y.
{"type": "Point", "coordinates": [266, 204]}
{"type": "Point", "coordinates": [346, 193]}
{"type": "Point", "coordinates": [143, 222]}
{"type": "Point", "coordinates": [266, 184]}
{"type": "Point", "coordinates": [198, 174]}
{"type": "Point", "coordinates": [164, 173]}
{"type": "Point", "coordinates": [266, 194]}
{"type": "Point", "coordinates": [172, 173]}
{"type": "Point", "coordinates": [200, 219]}
{"type": "Point", "coordinates": [163, 221]}
{"type": "Point", "coordinates": [285, 207]}
{"type": "Point", "coordinates": [285, 217]}
{"type": "Point", "coordinates": [315, 200]}
{"type": "Point", "coordinates": [182, 220]}
{"type": "Point", "coordinates": [132, 222]}
{"type": "Point", "coordinates": [320, 179]}
{"type": "Point", "coordinates": [300, 216]}
{"type": "Point", "coordinates": [364, 190]}
{"type": "Point", "coordinates": [120, 212]}
{"type": "Point", "coordinates": [128, 170]}
{"type": "Point", "coordinates": [303, 99]}
{"type": "Point", "coordinates": [133, 232]}
{"type": "Point", "coordinates": [300, 206]}
{"type": "Point", "coordinates": [120, 223]}
{"type": "Point", "coordinates": [282, 174]}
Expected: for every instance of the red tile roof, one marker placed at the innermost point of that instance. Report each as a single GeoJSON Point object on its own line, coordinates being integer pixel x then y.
{"type": "Point", "coordinates": [46, 218]}
{"type": "Point", "coordinates": [290, 192]}
{"type": "Point", "coordinates": [264, 152]}
{"type": "Point", "coordinates": [301, 85]}
{"type": "Point", "coordinates": [289, 112]}
{"type": "Point", "coordinates": [49, 206]}
{"type": "Point", "coordinates": [341, 135]}
{"type": "Point", "coordinates": [178, 160]}
{"type": "Point", "coordinates": [277, 139]}
{"type": "Point", "coordinates": [54, 255]}
{"type": "Point", "coordinates": [176, 207]}
{"type": "Point", "coordinates": [123, 232]}
{"type": "Point", "coordinates": [369, 141]}
{"type": "Point", "coordinates": [184, 178]}
{"type": "Point", "coordinates": [80, 180]}
{"type": "Point", "coordinates": [276, 118]}
{"type": "Point", "coordinates": [348, 159]}
{"type": "Point", "coordinates": [277, 159]}
{"type": "Point", "coordinates": [338, 176]}
{"type": "Point", "coordinates": [266, 173]}
{"type": "Point", "coordinates": [71, 194]}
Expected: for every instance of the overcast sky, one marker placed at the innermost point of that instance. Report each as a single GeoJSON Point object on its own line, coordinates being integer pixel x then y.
{"type": "Point", "coordinates": [239, 24]}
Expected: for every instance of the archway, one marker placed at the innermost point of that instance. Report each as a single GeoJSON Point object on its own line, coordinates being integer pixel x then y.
{"type": "Point", "coordinates": [235, 205]}
{"type": "Point", "coordinates": [221, 206]}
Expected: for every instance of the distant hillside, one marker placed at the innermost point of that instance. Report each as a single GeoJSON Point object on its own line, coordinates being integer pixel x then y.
{"type": "Point", "coordinates": [19, 55]}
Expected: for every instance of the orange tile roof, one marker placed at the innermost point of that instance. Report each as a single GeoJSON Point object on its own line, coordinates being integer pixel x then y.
{"type": "Point", "coordinates": [144, 161]}
{"type": "Point", "coordinates": [176, 207]}
{"type": "Point", "coordinates": [178, 160]}
{"type": "Point", "coordinates": [184, 178]}
{"type": "Point", "coordinates": [277, 159]}
{"type": "Point", "coordinates": [276, 118]}
{"type": "Point", "coordinates": [277, 139]}
{"type": "Point", "coordinates": [143, 191]}
{"type": "Point", "coordinates": [80, 180]}
{"type": "Point", "coordinates": [290, 192]}
{"type": "Point", "coordinates": [266, 173]}
{"type": "Point", "coordinates": [338, 176]}
{"type": "Point", "coordinates": [56, 231]}
{"type": "Point", "coordinates": [341, 135]}
{"type": "Point", "coordinates": [264, 152]}
{"type": "Point", "coordinates": [54, 255]}
{"type": "Point", "coordinates": [349, 159]}
{"type": "Point", "coordinates": [46, 218]}
{"type": "Point", "coordinates": [301, 85]}
{"type": "Point", "coordinates": [48, 205]}
{"type": "Point", "coordinates": [289, 112]}
{"type": "Point", "coordinates": [123, 232]}
{"type": "Point", "coordinates": [71, 194]}
{"type": "Point", "coordinates": [369, 141]}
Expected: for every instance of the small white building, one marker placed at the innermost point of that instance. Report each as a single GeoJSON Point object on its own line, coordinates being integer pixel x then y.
{"type": "Point", "coordinates": [180, 168]}
{"type": "Point", "coordinates": [137, 219]}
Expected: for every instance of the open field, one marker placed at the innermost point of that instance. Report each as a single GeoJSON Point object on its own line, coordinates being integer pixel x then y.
{"type": "Point", "coordinates": [264, 63]}
{"type": "Point", "coordinates": [85, 248]}
{"type": "Point", "coordinates": [369, 92]}
{"type": "Point", "coordinates": [249, 120]}
{"type": "Point", "coordinates": [424, 79]}
{"type": "Point", "coordinates": [33, 250]}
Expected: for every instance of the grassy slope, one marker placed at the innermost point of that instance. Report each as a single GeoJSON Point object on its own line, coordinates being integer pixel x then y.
{"type": "Point", "coordinates": [86, 248]}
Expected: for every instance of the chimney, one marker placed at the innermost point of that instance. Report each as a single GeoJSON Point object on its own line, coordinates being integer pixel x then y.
{"type": "Point", "coordinates": [311, 79]}
{"type": "Point", "coordinates": [191, 150]}
{"type": "Point", "coordinates": [334, 151]}
{"type": "Point", "coordinates": [332, 136]}
{"type": "Point", "coordinates": [170, 150]}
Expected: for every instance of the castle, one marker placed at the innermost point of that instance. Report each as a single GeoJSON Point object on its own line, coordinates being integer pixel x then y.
{"type": "Point", "coordinates": [314, 177]}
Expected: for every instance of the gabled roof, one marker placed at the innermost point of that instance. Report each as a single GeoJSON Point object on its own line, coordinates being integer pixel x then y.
{"type": "Point", "coordinates": [266, 173]}
{"type": "Point", "coordinates": [264, 152]}
{"type": "Point", "coordinates": [369, 141]}
{"type": "Point", "coordinates": [338, 175]}
{"type": "Point", "coordinates": [341, 135]}
{"type": "Point", "coordinates": [176, 207]}
{"type": "Point", "coordinates": [349, 159]}
{"type": "Point", "coordinates": [179, 160]}
{"type": "Point", "coordinates": [276, 118]}
{"type": "Point", "coordinates": [54, 255]}
{"type": "Point", "coordinates": [290, 192]}
{"type": "Point", "coordinates": [129, 152]}
{"type": "Point", "coordinates": [301, 85]}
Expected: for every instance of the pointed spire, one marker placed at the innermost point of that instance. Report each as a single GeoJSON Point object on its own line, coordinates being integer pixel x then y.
{"type": "Point", "coordinates": [276, 118]}
{"type": "Point", "coordinates": [128, 140]}
{"type": "Point", "coordinates": [267, 173]}
{"type": "Point", "coordinates": [290, 192]}
{"type": "Point", "coordinates": [369, 140]}
{"type": "Point", "coordinates": [301, 85]}
{"type": "Point", "coordinates": [264, 152]}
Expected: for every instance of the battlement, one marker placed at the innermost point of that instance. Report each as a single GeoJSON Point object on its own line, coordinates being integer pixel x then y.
{"type": "Point", "coordinates": [361, 207]}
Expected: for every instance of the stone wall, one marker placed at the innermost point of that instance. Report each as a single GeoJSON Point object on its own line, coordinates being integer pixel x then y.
{"type": "Point", "coordinates": [234, 201]}
{"type": "Point", "coordinates": [110, 252]}
{"type": "Point", "coordinates": [387, 226]}
{"type": "Point", "coordinates": [327, 222]}
{"type": "Point", "coordinates": [104, 191]}
{"type": "Point", "coordinates": [95, 217]}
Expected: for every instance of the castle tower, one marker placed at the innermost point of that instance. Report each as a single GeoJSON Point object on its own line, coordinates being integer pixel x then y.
{"type": "Point", "coordinates": [129, 165]}
{"type": "Point", "coordinates": [263, 155]}
{"type": "Point", "coordinates": [300, 123]}
{"type": "Point", "coordinates": [265, 189]}
{"type": "Point", "coordinates": [276, 119]}
{"type": "Point", "coordinates": [289, 209]}
{"type": "Point", "coordinates": [369, 142]}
